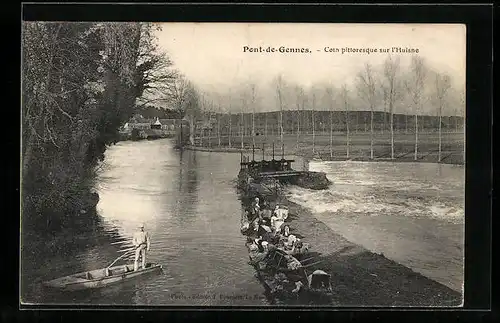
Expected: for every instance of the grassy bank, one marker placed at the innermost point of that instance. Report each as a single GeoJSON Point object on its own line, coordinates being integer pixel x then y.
{"type": "Point", "coordinates": [359, 148]}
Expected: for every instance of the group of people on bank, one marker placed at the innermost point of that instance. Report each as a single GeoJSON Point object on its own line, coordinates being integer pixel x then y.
{"type": "Point", "coordinates": [266, 226]}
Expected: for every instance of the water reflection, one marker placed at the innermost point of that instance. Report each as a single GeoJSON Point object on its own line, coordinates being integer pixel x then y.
{"type": "Point", "coordinates": [194, 230]}
{"type": "Point", "coordinates": [190, 207]}
{"type": "Point", "coordinates": [188, 185]}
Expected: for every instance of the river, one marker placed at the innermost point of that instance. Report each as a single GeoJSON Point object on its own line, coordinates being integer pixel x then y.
{"type": "Point", "coordinates": [413, 213]}
{"type": "Point", "coordinates": [189, 205]}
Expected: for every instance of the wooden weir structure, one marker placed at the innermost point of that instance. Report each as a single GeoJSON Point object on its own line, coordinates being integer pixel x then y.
{"type": "Point", "coordinates": [274, 168]}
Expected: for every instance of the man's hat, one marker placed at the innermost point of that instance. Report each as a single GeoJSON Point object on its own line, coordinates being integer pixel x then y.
{"type": "Point", "coordinates": [141, 225]}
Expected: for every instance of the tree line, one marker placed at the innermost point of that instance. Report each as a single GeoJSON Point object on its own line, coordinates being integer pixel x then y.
{"type": "Point", "coordinates": [397, 94]}
{"type": "Point", "coordinates": [80, 83]}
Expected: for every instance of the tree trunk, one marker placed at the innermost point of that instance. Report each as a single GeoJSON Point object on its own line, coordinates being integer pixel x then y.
{"type": "Point", "coordinates": [241, 127]}
{"type": "Point", "coordinates": [371, 133]}
{"type": "Point", "coordinates": [439, 149]}
{"type": "Point", "coordinates": [230, 129]}
{"type": "Point", "coordinates": [281, 122]}
{"type": "Point", "coordinates": [331, 133]}
{"type": "Point", "coordinates": [210, 135]}
{"type": "Point", "coordinates": [265, 125]}
{"type": "Point", "coordinates": [298, 126]}
{"type": "Point", "coordinates": [347, 127]}
{"type": "Point", "coordinates": [253, 128]}
{"type": "Point", "coordinates": [464, 129]}
{"type": "Point", "coordinates": [385, 118]}
{"type": "Point", "coordinates": [218, 128]}
{"type": "Point", "coordinates": [312, 121]}
{"type": "Point", "coordinates": [26, 159]}
{"type": "Point", "coordinates": [191, 131]}
{"type": "Point", "coordinates": [392, 134]}
{"type": "Point", "coordinates": [357, 121]}
{"type": "Point", "coordinates": [416, 137]}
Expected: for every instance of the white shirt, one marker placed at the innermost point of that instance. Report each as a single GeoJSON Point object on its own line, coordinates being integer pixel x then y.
{"type": "Point", "coordinates": [141, 237]}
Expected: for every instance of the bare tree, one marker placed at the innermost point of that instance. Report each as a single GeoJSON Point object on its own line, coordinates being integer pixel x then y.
{"type": "Point", "coordinates": [313, 121]}
{"type": "Point", "coordinates": [443, 85]}
{"type": "Point", "coordinates": [191, 108]}
{"type": "Point", "coordinates": [345, 99]}
{"type": "Point", "coordinates": [460, 110]}
{"type": "Point", "coordinates": [178, 93]}
{"type": "Point", "coordinates": [330, 94]}
{"type": "Point", "coordinates": [252, 98]}
{"type": "Point", "coordinates": [203, 107]}
{"type": "Point", "coordinates": [299, 95]}
{"type": "Point", "coordinates": [230, 121]}
{"type": "Point", "coordinates": [415, 87]}
{"type": "Point", "coordinates": [219, 110]}
{"type": "Point", "coordinates": [265, 124]}
{"type": "Point", "coordinates": [279, 92]}
{"type": "Point", "coordinates": [242, 126]}
{"type": "Point", "coordinates": [155, 76]}
{"type": "Point", "coordinates": [392, 91]}
{"type": "Point", "coordinates": [366, 87]}
{"type": "Point", "coordinates": [463, 106]}
{"type": "Point", "coordinates": [210, 111]}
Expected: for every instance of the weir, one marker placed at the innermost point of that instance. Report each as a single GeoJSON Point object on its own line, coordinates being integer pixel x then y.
{"type": "Point", "coordinates": [278, 169]}
{"type": "Point", "coordinates": [281, 168]}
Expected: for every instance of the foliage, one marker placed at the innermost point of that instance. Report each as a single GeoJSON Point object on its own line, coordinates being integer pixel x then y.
{"type": "Point", "coordinates": [80, 82]}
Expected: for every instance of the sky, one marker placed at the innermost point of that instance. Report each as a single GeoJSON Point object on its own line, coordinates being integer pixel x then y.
{"type": "Point", "coordinates": [212, 55]}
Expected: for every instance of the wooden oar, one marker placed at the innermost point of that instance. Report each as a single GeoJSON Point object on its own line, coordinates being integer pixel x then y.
{"type": "Point", "coordinates": [314, 263]}
{"type": "Point", "coordinates": [306, 259]}
{"type": "Point", "coordinates": [126, 253]}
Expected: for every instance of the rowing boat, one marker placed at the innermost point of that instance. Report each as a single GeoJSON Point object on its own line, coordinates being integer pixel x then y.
{"type": "Point", "coordinates": [101, 277]}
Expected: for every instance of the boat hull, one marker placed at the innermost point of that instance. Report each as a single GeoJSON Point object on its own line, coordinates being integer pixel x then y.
{"type": "Point", "coordinates": [97, 279]}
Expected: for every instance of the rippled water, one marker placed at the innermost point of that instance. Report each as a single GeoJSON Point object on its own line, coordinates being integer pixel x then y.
{"type": "Point", "coordinates": [188, 202]}
{"type": "Point", "coordinates": [189, 205]}
{"type": "Point", "coordinates": [411, 212]}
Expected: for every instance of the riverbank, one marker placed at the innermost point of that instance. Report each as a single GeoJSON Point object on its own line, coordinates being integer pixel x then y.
{"type": "Point", "coordinates": [221, 149]}
{"type": "Point", "coordinates": [324, 147]}
{"type": "Point", "coordinates": [431, 157]}
{"type": "Point", "coordinates": [360, 277]}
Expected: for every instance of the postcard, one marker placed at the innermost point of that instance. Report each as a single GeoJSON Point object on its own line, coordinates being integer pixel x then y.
{"type": "Point", "coordinates": [243, 164]}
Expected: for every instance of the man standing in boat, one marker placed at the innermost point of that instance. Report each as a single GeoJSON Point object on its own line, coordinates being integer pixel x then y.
{"type": "Point", "coordinates": [141, 243]}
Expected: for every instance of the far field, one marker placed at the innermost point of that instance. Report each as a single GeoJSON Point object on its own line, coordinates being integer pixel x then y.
{"type": "Point", "coordinates": [452, 149]}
